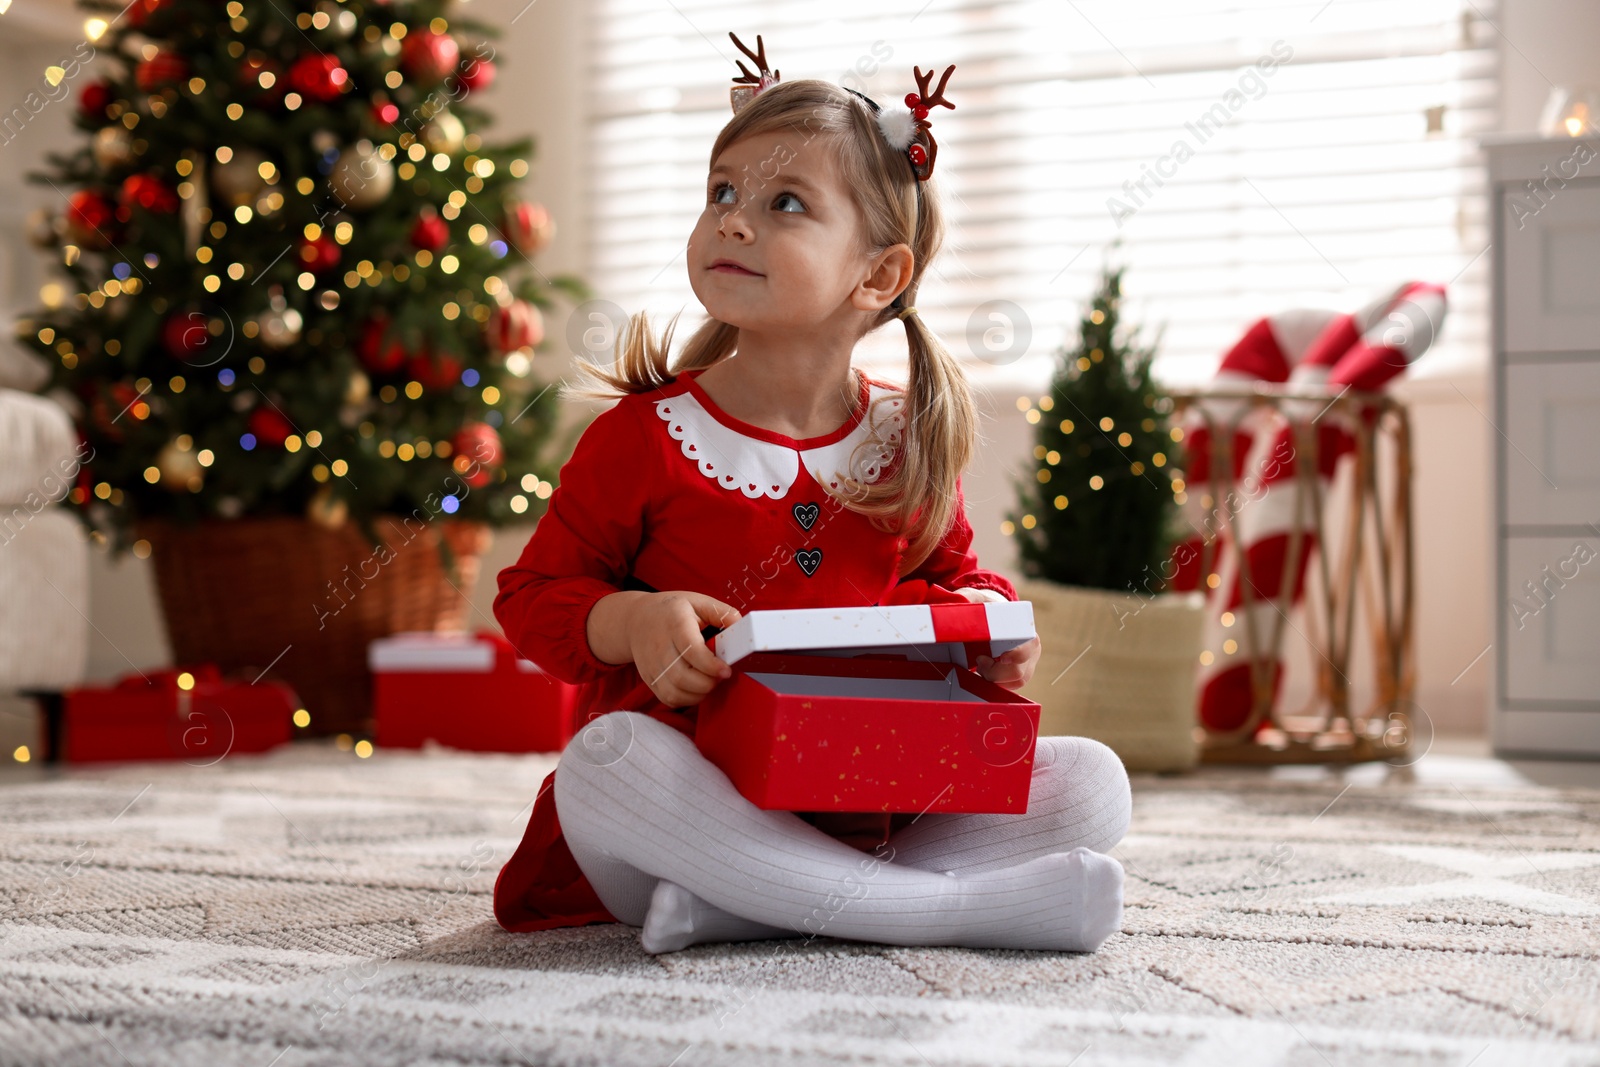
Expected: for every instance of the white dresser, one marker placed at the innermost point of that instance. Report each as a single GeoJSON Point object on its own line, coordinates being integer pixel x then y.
{"type": "Point", "coordinates": [1545, 382]}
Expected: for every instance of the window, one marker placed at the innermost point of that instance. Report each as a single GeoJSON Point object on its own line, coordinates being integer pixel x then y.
{"type": "Point", "coordinates": [1248, 157]}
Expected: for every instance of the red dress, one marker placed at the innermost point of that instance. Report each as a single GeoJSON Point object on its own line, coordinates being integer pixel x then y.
{"type": "Point", "coordinates": [663, 491]}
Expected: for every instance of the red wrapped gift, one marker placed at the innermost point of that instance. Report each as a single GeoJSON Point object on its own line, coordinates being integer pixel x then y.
{"type": "Point", "coordinates": [194, 714]}
{"type": "Point", "coordinates": [872, 709]}
{"type": "Point", "coordinates": [466, 691]}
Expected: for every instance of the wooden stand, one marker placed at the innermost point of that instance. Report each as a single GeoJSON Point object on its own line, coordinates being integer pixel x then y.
{"type": "Point", "coordinates": [1374, 563]}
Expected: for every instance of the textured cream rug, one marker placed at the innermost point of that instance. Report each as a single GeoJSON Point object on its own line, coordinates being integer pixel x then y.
{"type": "Point", "coordinates": [311, 908]}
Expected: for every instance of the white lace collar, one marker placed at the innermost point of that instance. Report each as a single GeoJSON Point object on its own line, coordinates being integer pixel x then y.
{"type": "Point", "coordinates": [756, 467]}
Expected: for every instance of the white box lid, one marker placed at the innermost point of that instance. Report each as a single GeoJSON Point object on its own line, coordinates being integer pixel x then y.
{"type": "Point", "coordinates": [937, 632]}
{"type": "Point", "coordinates": [424, 651]}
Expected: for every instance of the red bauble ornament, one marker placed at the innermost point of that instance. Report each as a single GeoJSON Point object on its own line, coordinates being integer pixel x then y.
{"type": "Point", "coordinates": [91, 219]}
{"type": "Point", "coordinates": [517, 325]}
{"type": "Point", "coordinates": [434, 371]}
{"type": "Point", "coordinates": [109, 410]}
{"type": "Point", "coordinates": [429, 57]}
{"type": "Point", "coordinates": [477, 74]}
{"type": "Point", "coordinates": [528, 226]}
{"type": "Point", "coordinates": [430, 232]}
{"type": "Point", "coordinates": [318, 77]}
{"type": "Point", "coordinates": [139, 12]}
{"type": "Point", "coordinates": [478, 451]}
{"type": "Point", "coordinates": [378, 355]}
{"type": "Point", "coordinates": [186, 335]}
{"type": "Point", "coordinates": [913, 100]}
{"type": "Point", "coordinates": [160, 70]}
{"type": "Point", "coordinates": [251, 68]}
{"type": "Point", "coordinates": [270, 426]}
{"type": "Point", "coordinates": [919, 113]}
{"type": "Point", "coordinates": [123, 395]}
{"type": "Point", "coordinates": [150, 193]}
{"type": "Point", "coordinates": [319, 254]}
{"type": "Point", "coordinates": [94, 99]}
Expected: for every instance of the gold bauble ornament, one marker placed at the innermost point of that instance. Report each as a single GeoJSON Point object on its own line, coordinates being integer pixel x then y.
{"type": "Point", "coordinates": [327, 510]}
{"type": "Point", "coordinates": [239, 181]}
{"type": "Point", "coordinates": [113, 146]}
{"type": "Point", "coordinates": [357, 389]}
{"type": "Point", "coordinates": [444, 133]}
{"type": "Point", "coordinates": [180, 467]}
{"type": "Point", "coordinates": [278, 326]}
{"type": "Point", "coordinates": [361, 178]}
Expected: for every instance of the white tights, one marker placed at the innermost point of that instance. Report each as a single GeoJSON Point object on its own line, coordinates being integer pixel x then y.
{"type": "Point", "coordinates": [668, 844]}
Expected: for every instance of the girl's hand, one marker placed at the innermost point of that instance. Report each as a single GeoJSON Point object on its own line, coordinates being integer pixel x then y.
{"type": "Point", "coordinates": [665, 643]}
{"type": "Point", "coordinates": [1014, 668]}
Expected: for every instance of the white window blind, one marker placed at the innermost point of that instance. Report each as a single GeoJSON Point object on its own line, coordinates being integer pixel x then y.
{"type": "Point", "coordinates": [1350, 167]}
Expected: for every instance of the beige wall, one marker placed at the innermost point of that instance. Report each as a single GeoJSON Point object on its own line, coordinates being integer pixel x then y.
{"type": "Point", "coordinates": [540, 91]}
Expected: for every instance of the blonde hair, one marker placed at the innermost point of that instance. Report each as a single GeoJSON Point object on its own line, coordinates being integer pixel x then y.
{"type": "Point", "coordinates": [918, 500]}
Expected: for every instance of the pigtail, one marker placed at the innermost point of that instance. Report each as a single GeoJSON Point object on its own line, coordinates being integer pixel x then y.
{"type": "Point", "coordinates": [917, 499]}
{"type": "Point", "coordinates": [941, 426]}
{"type": "Point", "coordinates": [642, 360]}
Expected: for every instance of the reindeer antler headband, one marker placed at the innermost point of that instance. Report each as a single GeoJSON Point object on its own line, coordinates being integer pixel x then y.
{"type": "Point", "coordinates": [907, 131]}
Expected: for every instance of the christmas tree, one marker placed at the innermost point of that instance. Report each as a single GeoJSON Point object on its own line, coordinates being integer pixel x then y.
{"type": "Point", "coordinates": [1097, 511]}
{"type": "Point", "coordinates": [296, 279]}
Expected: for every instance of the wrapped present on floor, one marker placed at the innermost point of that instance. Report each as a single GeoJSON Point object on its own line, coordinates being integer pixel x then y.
{"type": "Point", "coordinates": [193, 714]}
{"type": "Point", "coordinates": [468, 691]}
{"type": "Point", "coordinates": [872, 709]}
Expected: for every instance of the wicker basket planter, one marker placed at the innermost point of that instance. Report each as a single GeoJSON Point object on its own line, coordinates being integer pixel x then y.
{"type": "Point", "coordinates": [1119, 669]}
{"type": "Point", "coordinates": [305, 601]}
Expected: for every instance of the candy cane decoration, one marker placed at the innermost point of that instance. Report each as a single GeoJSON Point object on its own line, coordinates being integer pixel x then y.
{"type": "Point", "coordinates": [1361, 351]}
{"type": "Point", "coordinates": [1267, 353]}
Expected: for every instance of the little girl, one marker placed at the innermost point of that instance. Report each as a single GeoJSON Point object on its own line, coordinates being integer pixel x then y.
{"type": "Point", "coordinates": [763, 471]}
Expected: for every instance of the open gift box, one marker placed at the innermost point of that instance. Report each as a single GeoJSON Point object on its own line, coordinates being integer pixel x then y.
{"type": "Point", "coordinates": [872, 709]}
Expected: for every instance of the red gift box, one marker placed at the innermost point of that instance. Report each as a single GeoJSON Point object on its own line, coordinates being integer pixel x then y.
{"type": "Point", "coordinates": [153, 717]}
{"type": "Point", "coordinates": [872, 709]}
{"type": "Point", "coordinates": [466, 691]}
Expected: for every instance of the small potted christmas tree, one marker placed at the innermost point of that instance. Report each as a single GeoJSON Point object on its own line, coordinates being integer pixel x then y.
{"type": "Point", "coordinates": [1094, 532]}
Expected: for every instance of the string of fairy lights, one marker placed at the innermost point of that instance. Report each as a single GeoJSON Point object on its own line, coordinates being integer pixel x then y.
{"type": "Point", "coordinates": [1035, 410]}
{"type": "Point", "coordinates": [1055, 429]}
